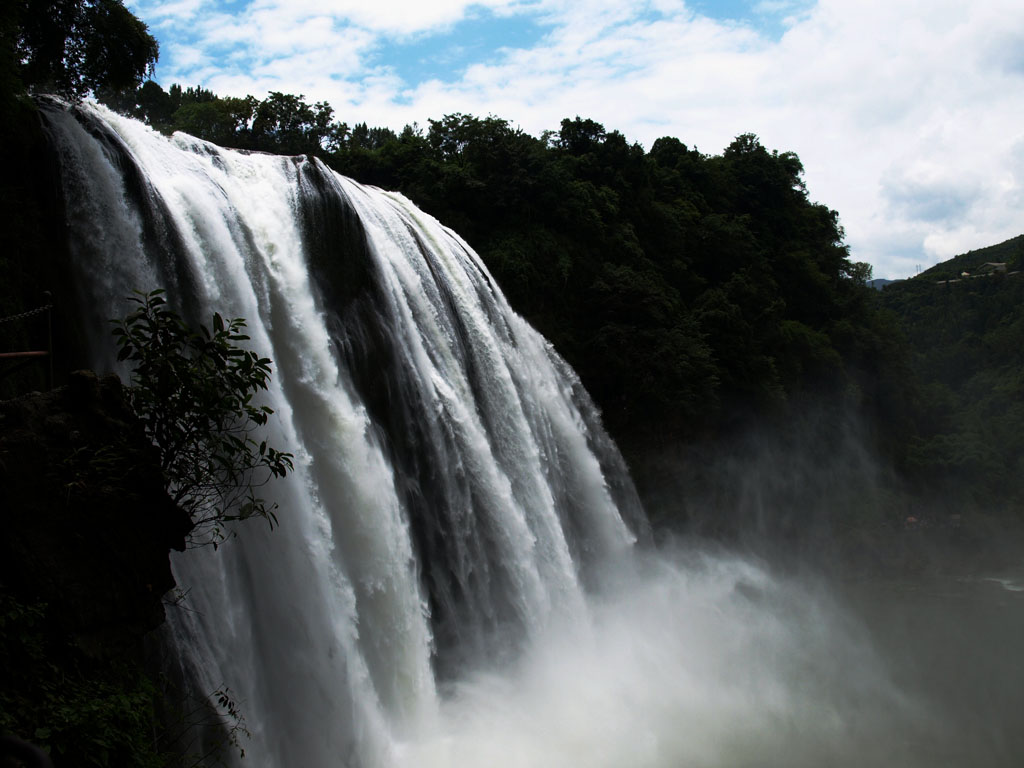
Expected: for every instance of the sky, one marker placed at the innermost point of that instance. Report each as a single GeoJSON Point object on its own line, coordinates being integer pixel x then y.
{"type": "Point", "coordinates": [908, 115]}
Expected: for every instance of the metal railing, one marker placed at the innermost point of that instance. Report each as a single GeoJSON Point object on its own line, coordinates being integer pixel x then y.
{"type": "Point", "coordinates": [23, 358]}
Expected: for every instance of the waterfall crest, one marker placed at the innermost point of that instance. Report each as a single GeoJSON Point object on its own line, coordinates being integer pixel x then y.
{"type": "Point", "coordinates": [454, 493]}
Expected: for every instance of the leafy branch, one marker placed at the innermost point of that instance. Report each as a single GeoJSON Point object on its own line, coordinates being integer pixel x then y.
{"type": "Point", "coordinates": [193, 391]}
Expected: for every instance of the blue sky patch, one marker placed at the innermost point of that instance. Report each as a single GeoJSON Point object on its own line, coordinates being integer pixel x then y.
{"type": "Point", "coordinates": [446, 55]}
{"type": "Point", "coordinates": [766, 16]}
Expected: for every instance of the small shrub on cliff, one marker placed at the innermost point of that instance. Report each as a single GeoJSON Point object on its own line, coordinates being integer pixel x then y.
{"type": "Point", "coordinates": [193, 392]}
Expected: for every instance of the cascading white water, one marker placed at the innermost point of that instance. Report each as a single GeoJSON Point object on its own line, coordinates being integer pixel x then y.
{"type": "Point", "coordinates": [323, 628]}
{"type": "Point", "coordinates": [453, 582]}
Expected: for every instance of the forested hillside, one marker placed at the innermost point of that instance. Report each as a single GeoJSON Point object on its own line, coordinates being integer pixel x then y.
{"type": "Point", "coordinates": [1010, 253]}
{"type": "Point", "coordinates": [967, 342]}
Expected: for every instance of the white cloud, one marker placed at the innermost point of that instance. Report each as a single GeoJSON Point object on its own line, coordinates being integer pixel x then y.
{"type": "Point", "coordinates": [390, 17]}
{"type": "Point", "coordinates": [907, 114]}
{"type": "Point", "coordinates": [931, 197]}
{"type": "Point", "coordinates": [190, 56]}
{"type": "Point", "coordinates": [174, 10]}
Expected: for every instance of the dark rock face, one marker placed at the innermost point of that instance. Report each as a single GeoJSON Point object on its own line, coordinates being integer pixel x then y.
{"type": "Point", "coordinates": [87, 525]}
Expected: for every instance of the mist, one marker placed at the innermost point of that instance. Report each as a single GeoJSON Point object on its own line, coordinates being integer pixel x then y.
{"type": "Point", "coordinates": [710, 659]}
{"type": "Point", "coordinates": [803, 607]}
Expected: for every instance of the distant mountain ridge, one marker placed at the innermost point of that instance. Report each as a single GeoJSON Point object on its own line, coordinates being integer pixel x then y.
{"type": "Point", "coordinates": [1010, 252]}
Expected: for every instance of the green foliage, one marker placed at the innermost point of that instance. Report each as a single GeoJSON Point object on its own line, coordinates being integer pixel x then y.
{"type": "Point", "coordinates": [102, 712]}
{"type": "Point", "coordinates": [285, 124]}
{"type": "Point", "coordinates": [72, 47]}
{"type": "Point", "coordinates": [221, 121]}
{"type": "Point", "coordinates": [82, 712]}
{"type": "Point", "coordinates": [968, 363]}
{"type": "Point", "coordinates": [193, 392]}
{"type": "Point", "coordinates": [281, 123]}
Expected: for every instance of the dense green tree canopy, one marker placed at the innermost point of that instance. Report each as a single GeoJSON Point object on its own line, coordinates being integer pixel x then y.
{"type": "Point", "coordinates": [73, 47]}
{"type": "Point", "coordinates": [967, 338]}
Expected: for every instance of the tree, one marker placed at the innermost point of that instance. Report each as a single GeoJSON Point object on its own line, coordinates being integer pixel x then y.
{"type": "Point", "coordinates": [578, 136]}
{"type": "Point", "coordinates": [193, 392]}
{"type": "Point", "coordinates": [285, 123]}
{"type": "Point", "coordinates": [222, 121]}
{"type": "Point", "coordinates": [72, 47]}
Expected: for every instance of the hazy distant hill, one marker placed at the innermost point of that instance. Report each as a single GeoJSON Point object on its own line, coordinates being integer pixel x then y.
{"type": "Point", "coordinates": [880, 282]}
{"type": "Point", "coordinates": [1010, 251]}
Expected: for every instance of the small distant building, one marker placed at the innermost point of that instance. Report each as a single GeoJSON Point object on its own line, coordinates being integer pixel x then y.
{"type": "Point", "coordinates": [990, 267]}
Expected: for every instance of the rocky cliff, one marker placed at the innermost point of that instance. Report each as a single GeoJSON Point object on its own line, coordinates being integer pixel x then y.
{"type": "Point", "coordinates": [84, 565]}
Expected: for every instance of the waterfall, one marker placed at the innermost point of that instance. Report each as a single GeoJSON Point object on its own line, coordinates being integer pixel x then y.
{"type": "Point", "coordinates": [454, 493]}
{"type": "Point", "coordinates": [455, 580]}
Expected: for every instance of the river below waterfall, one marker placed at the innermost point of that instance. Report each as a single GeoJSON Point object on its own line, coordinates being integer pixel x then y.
{"type": "Point", "coordinates": [953, 644]}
